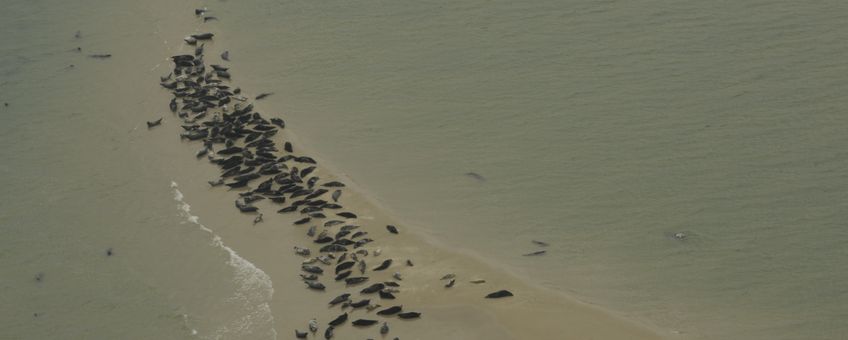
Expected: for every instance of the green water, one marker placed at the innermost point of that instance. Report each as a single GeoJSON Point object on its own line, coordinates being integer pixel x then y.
{"type": "Point", "coordinates": [599, 127]}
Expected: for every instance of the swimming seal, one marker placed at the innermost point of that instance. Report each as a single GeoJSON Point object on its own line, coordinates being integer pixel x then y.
{"type": "Point", "coordinates": [540, 243]}
{"type": "Point", "coordinates": [392, 229]}
{"type": "Point", "coordinates": [263, 95]}
{"type": "Point", "coordinates": [300, 335]}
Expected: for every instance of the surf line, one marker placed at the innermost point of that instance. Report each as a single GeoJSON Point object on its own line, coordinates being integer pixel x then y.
{"type": "Point", "coordinates": [255, 288]}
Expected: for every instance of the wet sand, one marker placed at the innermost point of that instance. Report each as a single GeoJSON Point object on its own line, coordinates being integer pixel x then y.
{"type": "Point", "coordinates": [130, 78]}
{"type": "Point", "coordinates": [459, 312]}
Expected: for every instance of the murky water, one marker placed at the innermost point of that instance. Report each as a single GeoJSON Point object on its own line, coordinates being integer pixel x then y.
{"type": "Point", "coordinates": [599, 127]}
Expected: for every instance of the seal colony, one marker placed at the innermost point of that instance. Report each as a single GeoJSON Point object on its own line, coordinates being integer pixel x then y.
{"type": "Point", "coordinates": [240, 141]}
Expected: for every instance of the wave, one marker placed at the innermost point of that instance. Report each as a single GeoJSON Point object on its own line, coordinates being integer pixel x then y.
{"type": "Point", "coordinates": [252, 295]}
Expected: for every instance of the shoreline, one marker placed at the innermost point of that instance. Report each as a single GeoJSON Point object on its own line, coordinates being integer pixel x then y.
{"type": "Point", "coordinates": [515, 317]}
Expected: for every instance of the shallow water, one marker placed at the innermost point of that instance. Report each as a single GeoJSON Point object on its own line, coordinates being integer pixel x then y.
{"type": "Point", "coordinates": [599, 127]}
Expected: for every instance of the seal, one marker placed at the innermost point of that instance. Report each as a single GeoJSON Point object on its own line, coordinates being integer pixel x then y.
{"type": "Point", "coordinates": [386, 295]}
{"type": "Point", "coordinates": [343, 275]}
{"type": "Point", "coordinates": [339, 299]}
{"type": "Point", "coordinates": [360, 304]}
{"type": "Point", "coordinates": [391, 310]}
{"type": "Point", "coordinates": [313, 326]}
{"type": "Point", "coordinates": [499, 294]}
{"type": "Point", "coordinates": [339, 320]}
{"type": "Point", "coordinates": [409, 315]}
{"type": "Point", "coordinates": [383, 265]}
{"type": "Point", "coordinates": [313, 269]}
{"type": "Point", "coordinates": [384, 329]}
{"type": "Point", "coordinates": [301, 251]}
{"type": "Point", "coordinates": [328, 334]}
{"type": "Point", "coordinates": [333, 248]}
{"type": "Point", "coordinates": [202, 36]}
{"type": "Point", "coordinates": [364, 322]}
{"type": "Point", "coordinates": [392, 229]}
{"type": "Point", "coordinates": [336, 195]}
{"type": "Point", "coordinates": [263, 95]}
{"type": "Point", "coordinates": [373, 288]}
{"type": "Point", "coordinates": [154, 123]}
{"type": "Point", "coordinates": [476, 176]}
{"type": "Point", "coordinates": [536, 253]}
{"type": "Point", "coordinates": [344, 266]}
{"type": "Point", "coordinates": [315, 285]}
{"type": "Point", "coordinates": [300, 335]}
{"type": "Point", "coordinates": [347, 214]}
{"type": "Point", "coordinates": [257, 219]}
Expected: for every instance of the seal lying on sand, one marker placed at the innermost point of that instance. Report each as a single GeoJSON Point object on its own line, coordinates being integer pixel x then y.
{"type": "Point", "coordinates": [499, 294]}
{"type": "Point", "coordinates": [154, 123]}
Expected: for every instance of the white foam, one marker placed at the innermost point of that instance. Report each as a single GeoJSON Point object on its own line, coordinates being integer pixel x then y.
{"type": "Point", "coordinates": [254, 291]}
